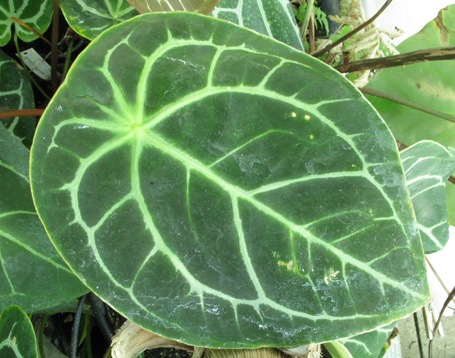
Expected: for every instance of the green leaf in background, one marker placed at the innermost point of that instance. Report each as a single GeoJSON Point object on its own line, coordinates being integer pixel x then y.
{"type": "Point", "coordinates": [431, 84]}
{"type": "Point", "coordinates": [37, 14]}
{"type": "Point", "coordinates": [204, 7]}
{"type": "Point", "coordinates": [16, 93]}
{"type": "Point", "coordinates": [273, 18]}
{"type": "Point", "coordinates": [91, 17]}
{"type": "Point", "coordinates": [220, 188]}
{"type": "Point", "coordinates": [46, 280]}
{"type": "Point", "coordinates": [337, 350]}
{"type": "Point", "coordinates": [428, 166]}
{"type": "Point", "coordinates": [17, 338]}
{"type": "Point", "coordinates": [370, 344]}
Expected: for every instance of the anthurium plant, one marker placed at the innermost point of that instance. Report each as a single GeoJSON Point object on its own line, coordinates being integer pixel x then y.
{"type": "Point", "coordinates": [215, 186]}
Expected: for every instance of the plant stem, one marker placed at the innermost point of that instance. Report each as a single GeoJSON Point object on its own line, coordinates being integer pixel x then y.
{"type": "Point", "coordinates": [417, 329]}
{"type": "Point", "coordinates": [68, 60]}
{"type": "Point", "coordinates": [405, 102]}
{"type": "Point", "coordinates": [16, 42]}
{"type": "Point", "coordinates": [438, 322]}
{"type": "Point", "coordinates": [306, 19]}
{"type": "Point", "coordinates": [433, 54]}
{"type": "Point", "coordinates": [41, 336]}
{"type": "Point", "coordinates": [20, 113]}
{"type": "Point", "coordinates": [76, 325]}
{"type": "Point", "coordinates": [353, 32]}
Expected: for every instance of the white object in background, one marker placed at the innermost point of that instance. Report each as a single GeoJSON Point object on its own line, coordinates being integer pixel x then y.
{"type": "Point", "coordinates": [441, 278]}
{"type": "Point", "coordinates": [36, 64]}
{"type": "Point", "coordinates": [408, 15]}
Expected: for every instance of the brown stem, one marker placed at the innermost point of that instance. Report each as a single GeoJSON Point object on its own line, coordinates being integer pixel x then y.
{"type": "Point", "coordinates": [54, 48]}
{"type": "Point", "coordinates": [21, 113]}
{"type": "Point", "coordinates": [432, 54]}
{"type": "Point", "coordinates": [353, 32]}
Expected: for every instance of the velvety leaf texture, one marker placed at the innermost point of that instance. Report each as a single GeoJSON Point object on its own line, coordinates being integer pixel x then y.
{"type": "Point", "coordinates": [223, 189]}
{"type": "Point", "coordinates": [200, 6]}
{"type": "Point", "coordinates": [428, 166]}
{"type": "Point", "coordinates": [91, 17]}
{"type": "Point", "coordinates": [17, 337]}
{"type": "Point", "coordinates": [273, 18]}
{"type": "Point", "coordinates": [45, 281]}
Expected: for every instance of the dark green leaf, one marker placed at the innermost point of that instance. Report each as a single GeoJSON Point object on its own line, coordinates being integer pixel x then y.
{"type": "Point", "coordinates": [32, 274]}
{"type": "Point", "coordinates": [273, 18]}
{"type": "Point", "coordinates": [428, 165]}
{"type": "Point", "coordinates": [223, 189]}
{"type": "Point", "coordinates": [16, 93]}
{"type": "Point", "coordinates": [91, 17]}
{"type": "Point", "coordinates": [17, 338]}
{"type": "Point", "coordinates": [36, 14]}
{"type": "Point", "coordinates": [200, 6]}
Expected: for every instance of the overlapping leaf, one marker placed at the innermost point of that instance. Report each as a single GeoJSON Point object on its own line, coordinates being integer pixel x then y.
{"type": "Point", "coordinates": [37, 14]}
{"type": "Point", "coordinates": [16, 93]}
{"type": "Point", "coordinates": [32, 274]}
{"type": "Point", "coordinates": [199, 6]}
{"type": "Point", "coordinates": [371, 344]}
{"type": "Point", "coordinates": [91, 17]}
{"type": "Point", "coordinates": [273, 18]}
{"type": "Point", "coordinates": [194, 176]}
{"type": "Point", "coordinates": [430, 84]}
{"type": "Point", "coordinates": [17, 338]}
{"type": "Point", "coordinates": [428, 165]}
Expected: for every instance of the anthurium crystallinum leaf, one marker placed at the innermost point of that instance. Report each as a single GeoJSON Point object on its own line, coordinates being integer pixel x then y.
{"type": "Point", "coordinates": [17, 337]}
{"type": "Point", "coordinates": [199, 6]}
{"type": "Point", "coordinates": [32, 274]}
{"type": "Point", "coordinates": [91, 17]}
{"type": "Point", "coordinates": [222, 189]}
{"type": "Point", "coordinates": [273, 18]}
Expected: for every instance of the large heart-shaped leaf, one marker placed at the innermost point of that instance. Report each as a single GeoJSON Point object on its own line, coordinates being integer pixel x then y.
{"type": "Point", "coordinates": [37, 14]}
{"type": "Point", "coordinates": [16, 93]}
{"type": "Point", "coordinates": [91, 17]}
{"type": "Point", "coordinates": [220, 188]}
{"type": "Point", "coordinates": [430, 84]}
{"type": "Point", "coordinates": [32, 274]}
{"type": "Point", "coordinates": [428, 165]}
{"type": "Point", "coordinates": [273, 18]}
{"type": "Point", "coordinates": [17, 338]}
{"type": "Point", "coordinates": [200, 6]}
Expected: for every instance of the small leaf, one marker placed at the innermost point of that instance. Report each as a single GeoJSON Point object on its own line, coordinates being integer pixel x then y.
{"type": "Point", "coordinates": [17, 338]}
{"type": "Point", "coordinates": [16, 93]}
{"type": "Point", "coordinates": [204, 7]}
{"type": "Point", "coordinates": [370, 344]}
{"type": "Point", "coordinates": [32, 273]}
{"type": "Point", "coordinates": [36, 14]}
{"type": "Point", "coordinates": [91, 17]}
{"type": "Point", "coordinates": [427, 166]}
{"type": "Point", "coordinates": [273, 18]}
{"type": "Point", "coordinates": [222, 189]}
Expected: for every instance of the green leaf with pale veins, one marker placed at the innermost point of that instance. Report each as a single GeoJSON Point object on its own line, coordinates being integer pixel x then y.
{"type": "Point", "coordinates": [273, 18]}
{"type": "Point", "coordinates": [32, 274]}
{"type": "Point", "coordinates": [17, 337]}
{"type": "Point", "coordinates": [199, 6]}
{"type": "Point", "coordinates": [428, 166]}
{"type": "Point", "coordinates": [36, 14]}
{"type": "Point", "coordinates": [220, 188]}
{"type": "Point", "coordinates": [430, 84]}
{"type": "Point", "coordinates": [371, 344]}
{"type": "Point", "coordinates": [91, 17]}
{"type": "Point", "coordinates": [16, 93]}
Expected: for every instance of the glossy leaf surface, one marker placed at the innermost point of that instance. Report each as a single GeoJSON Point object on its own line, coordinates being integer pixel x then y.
{"type": "Point", "coordinates": [17, 338]}
{"type": "Point", "coordinates": [370, 344]}
{"type": "Point", "coordinates": [199, 6]}
{"type": "Point", "coordinates": [37, 14]}
{"type": "Point", "coordinates": [32, 274]}
{"type": "Point", "coordinates": [91, 17]}
{"type": "Point", "coordinates": [431, 84]}
{"type": "Point", "coordinates": [273, 18]}
{"type": "Point", "coordinates": [428, 166]}
{"type": "Point", "coordinates": [16, 93]}
{"type": "Point", "coordinates": [226, 190]}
